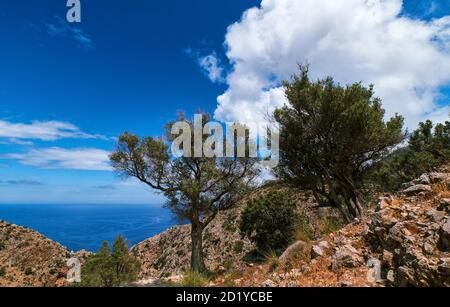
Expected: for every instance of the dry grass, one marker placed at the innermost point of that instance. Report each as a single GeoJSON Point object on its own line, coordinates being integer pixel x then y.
{"type": "Point", "coordinates": [272, 260]}
{"type": "Point", "coordinates": [442, 190]}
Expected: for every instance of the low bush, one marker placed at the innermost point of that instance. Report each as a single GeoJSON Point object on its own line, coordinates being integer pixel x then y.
{"type": "Point", "coordinates": [192, 279]}
{"type": "Point", "coordinates": [269, 222]}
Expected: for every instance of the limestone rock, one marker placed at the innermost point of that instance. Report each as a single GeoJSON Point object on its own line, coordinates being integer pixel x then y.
{"type": "Point", "coordinates": [424, 179]}
{"type": "Point", "coordinates": [316, 252]}
{"type": "Point", "coordinates": [293, 251]}
{"type": "Point", "coordinates": [445, 237]}
{"type": "Point", "coordinates": [346, 257]}
{"type": "Point", "coordinates": [444, 205]}
{"type": "Point", "coordinates": [436, 216]}
{"type": "Point", "coordinates": [439, 177]}
{"type": "Point", "coordinates": [388, 259]}
{"type": "Point", "coordinates": [268, 284]}
{"type": "Point", "coordinates": [417, 189]}
{"type": "Point", "coordinates": [406, 278]}
{"type": "Point", "coordinates": [444, 266]}
{"type": "Point", "coordinates": [383, 203]}
{"type": "Point", "coordinates": [390, 277]}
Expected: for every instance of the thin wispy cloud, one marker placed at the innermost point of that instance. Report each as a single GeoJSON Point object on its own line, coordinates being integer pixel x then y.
{"type": "Point", "coordinates": [60, 28]}
{"type": "Point", "coordinates": [89, 159]}
{"type": "Point", "coordinates": [210, 64]}
{"type": "Point", "coordinates": [22, 182]}
{"type": "Point", "coordinates": [23, 133]}
{"type": "Point", "coordinates": [105, 187]}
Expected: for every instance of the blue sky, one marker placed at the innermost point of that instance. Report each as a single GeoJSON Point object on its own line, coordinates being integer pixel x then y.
{"type": "Point", "coordinates": [66, 90]}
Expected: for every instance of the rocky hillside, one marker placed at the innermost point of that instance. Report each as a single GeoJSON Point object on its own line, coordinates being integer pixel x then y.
{"type": "Point", "coordinates": [27, 258]}
{"type": "Point", "coordinates": [403, 241]}
{"type": "Point", "coordinates": [168, 253]}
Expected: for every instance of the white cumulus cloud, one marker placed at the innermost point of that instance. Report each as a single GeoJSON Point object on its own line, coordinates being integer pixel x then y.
{"type": "Point", "coordinates": [59, 158]}
{"type": "Point", "coordinates": [408, 60]}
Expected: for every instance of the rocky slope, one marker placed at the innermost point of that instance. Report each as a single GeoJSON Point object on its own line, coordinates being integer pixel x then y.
{"type": "Point", "coordinates": [168, 254]}
{"type": "Point", "coordinates": [28, 259]}
{"type": "Point", "coordinates": [403, 241]}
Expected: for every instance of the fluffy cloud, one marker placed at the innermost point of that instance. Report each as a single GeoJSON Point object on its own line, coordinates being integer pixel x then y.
{"type": "Point", "coordinates": [60, 158]}
{"type": "Point", "coordinates": [210, 65]}
{"type": "Point", "coordinates": [408, 60]}
{"type": "Point", "coordinates": [41, 130]}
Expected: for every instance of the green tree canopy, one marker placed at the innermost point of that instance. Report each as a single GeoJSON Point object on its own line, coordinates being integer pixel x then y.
{"type": "Point", "coordinates": [428, 148]}
{"type": "Point", "coordinates": [330, 136]}
{"type": "Point", "coordinates": [197, 188]}
{"type": "Point", "coordinates": [110, 268]}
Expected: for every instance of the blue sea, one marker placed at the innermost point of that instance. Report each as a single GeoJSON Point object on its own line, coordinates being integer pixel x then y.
{"type": "Point", "coordinates": [86, 226]}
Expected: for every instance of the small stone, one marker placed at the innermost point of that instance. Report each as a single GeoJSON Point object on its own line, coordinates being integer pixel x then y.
{"type": "Point", "coordinates": [418, 188]}
{"type": "Point", "coordinates": [293, 251]}
{"type": "Point", "coordinates": [444, 266]}
{"type": "Point", "coordinates": [444, 235]}
{"type": "Point", "coordinates": [407, 185]}
{"type": "Point", "coordinates": [383, 203]}
{"type": "Point", "coordinates": [424, 179]}
{"type": "Point", "coordinates": [438, 177]}
{"type": "Point", "coordinates": [268, 284]}
{"type": "Point", "coordinates": [428, 248]}
{"type": "Point", "coordinates": [346, 284]}
{"type": "Point", "coordinates": [292, 284]}
{"type": "Point", "coordinates": [316, 252]}
{"type": "Point", "coordinates": [436, 216]}
{"type": "Point", "coordinates": [324, 245]}
{"type": "Point", "coordinates": [383, 220]}
{"type": "Point", "coordinates": [221, 270]}
{"type": "Point", "coordinates": [390, 277]}
{"type": "Point", "coordinates": [388, 258]}
{"type": "Point", "coordinates": [406, 277]}
{"type": "Point", "coordinates": [444, 205]}
{"type": "Point", "coordinates": [346, 257]}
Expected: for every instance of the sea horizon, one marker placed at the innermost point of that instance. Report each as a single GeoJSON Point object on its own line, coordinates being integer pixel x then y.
{"type": "Point", "coordinates": [87, 226]}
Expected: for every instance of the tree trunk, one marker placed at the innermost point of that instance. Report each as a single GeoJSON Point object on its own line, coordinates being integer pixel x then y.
{"type": "Point", "coordinates": [197, 261]}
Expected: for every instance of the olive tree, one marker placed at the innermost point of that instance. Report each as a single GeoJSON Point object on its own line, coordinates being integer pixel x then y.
{"type": "Point", "coordinates": [330, 136]}
{"type": "Point", "coordinates": [197, 187]}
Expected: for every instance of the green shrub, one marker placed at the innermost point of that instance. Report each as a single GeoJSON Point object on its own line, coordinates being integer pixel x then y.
{"type": "Point", "coordinates": [303, 230]}
{"type": "Point", "coordinates": [110, 268]}
{"type": "Point", "coordinates": [2, 271]}
{"type": "Point", "coordinates": [269, 222]}
{"type": "Point", "coordinates": [28, 271]}
{"type": "Point", "coordinates": [427, 149]}
{"type": "Point", "coordinates": [192, 279]}
{"type": "Point", "coordinates": [238, 246]}
{"type": "Point", "coordinates": [330, 225]}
